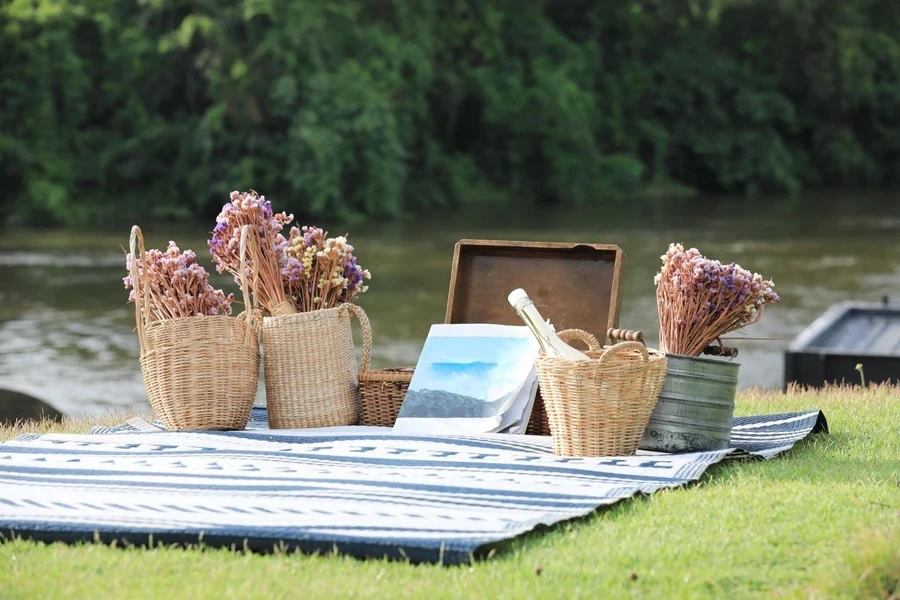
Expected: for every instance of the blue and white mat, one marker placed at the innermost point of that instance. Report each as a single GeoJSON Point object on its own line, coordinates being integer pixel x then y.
{"type": "Point", "coordinates": [357, 490]}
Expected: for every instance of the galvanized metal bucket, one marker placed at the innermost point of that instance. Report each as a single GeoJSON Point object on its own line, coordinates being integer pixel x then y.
{"type": "Point", "coordinates": [695, 407]}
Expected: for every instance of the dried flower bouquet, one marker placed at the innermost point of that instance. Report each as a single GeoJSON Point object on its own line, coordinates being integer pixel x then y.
{"type": "Point", "coordinates": [306, 272]}
{"type": "Point", "coordinates": [699, 300]}
{"type": "Point", "coordinates": [254, 210]}
{"type": "Point", "coordinates": [321, 272]}
{"type": "Point", "coordinates": [176, 286]}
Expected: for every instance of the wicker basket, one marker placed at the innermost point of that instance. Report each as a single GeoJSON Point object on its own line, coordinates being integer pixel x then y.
{"type": "Point", "coordinates": [600, 407]}
{"type": "Point", "coordinates": [381, 393]}
{"type": "Point", "coordinates": [199, 372]}
{"type": "Point", "coordinates": [310, 367]}
{"type": "Point", "coordinates": [540, 422]}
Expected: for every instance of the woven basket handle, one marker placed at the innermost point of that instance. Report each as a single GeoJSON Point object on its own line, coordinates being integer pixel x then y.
{"type": "Point", "coordinates": [141, 299]}
{"type": "Point", "coordinates": [624, 335]}
{"type": "Point", "coordinates": [367, 335]}
{"type": "Point", "coordinates": [568, 335]}
{"type": "Point", "coordinates": [621, 347]}
{"type": "Point", "coordinates": [246, 240]}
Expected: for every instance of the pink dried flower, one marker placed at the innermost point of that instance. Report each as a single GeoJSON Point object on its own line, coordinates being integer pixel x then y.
{"type": "Point", "coordinates": [308, 271]}
{"type": "Point", "coordinates": [699, 299]}
{"type": "Point", "coordinates": [249, 208]}
{"type": "Point", "coordinates": [177, 286]}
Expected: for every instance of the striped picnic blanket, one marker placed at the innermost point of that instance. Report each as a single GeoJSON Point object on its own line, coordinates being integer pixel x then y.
{"type": "Point", "coordinates": [357, 490]}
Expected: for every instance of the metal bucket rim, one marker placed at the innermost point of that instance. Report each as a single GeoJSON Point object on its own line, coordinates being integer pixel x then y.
{"type": "Point", "coordinates": [715, 361]}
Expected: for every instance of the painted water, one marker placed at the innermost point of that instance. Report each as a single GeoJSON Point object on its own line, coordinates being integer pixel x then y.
{"type": "Point", "coordinates": [66, 332]}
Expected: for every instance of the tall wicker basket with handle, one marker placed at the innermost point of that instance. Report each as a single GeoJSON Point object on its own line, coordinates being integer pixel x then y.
{"type": "Point", "coordinates": [310, 363]}
{"type": "Point", "coordinates": [200, 372]}
{"type": "Point", "coordinates": [600, 407]}
{"type": "Point", "coordinates": [310, 367]}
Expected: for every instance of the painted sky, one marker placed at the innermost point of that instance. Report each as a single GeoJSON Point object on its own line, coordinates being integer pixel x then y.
{"type": "Point", "coordinates": [486, 368]}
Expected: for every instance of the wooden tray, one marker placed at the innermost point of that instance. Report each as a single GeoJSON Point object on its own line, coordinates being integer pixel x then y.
{"type": "Point", "coordinates": [576, 286]}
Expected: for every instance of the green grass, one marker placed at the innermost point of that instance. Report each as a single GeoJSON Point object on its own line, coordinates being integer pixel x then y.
{"type": "Point", "coordinates": [822, 521]}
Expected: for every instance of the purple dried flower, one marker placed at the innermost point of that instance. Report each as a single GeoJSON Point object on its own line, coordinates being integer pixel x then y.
{"type": "Point", "coordinates": [320, 272]}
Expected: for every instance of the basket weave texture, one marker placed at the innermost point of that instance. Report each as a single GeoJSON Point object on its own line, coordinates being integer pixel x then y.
{"type": "Point", "coordinates": [381, 393]}
{"type": "Point", "coordinates": [199, 372]}
{"type": "Point", "coordinates": [539, 424]}
{"type": "Point", "coordinates": [600, 407]}
{"type": "Point", "coordinates": [310, 367]}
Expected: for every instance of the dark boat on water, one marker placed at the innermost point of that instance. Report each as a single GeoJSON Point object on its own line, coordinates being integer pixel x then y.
{"type": "Point", "coordinates": [845, 336]}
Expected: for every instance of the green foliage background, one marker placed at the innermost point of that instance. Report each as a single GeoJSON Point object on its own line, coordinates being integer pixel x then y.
{"type": "Point", "coordinates": [340, 108]}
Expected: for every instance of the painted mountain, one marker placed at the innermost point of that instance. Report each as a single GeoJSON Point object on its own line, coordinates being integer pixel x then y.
{"type": "Point", "coordinates": [425, 404]}
{"type": "Point", "coordinates": [469, 372]}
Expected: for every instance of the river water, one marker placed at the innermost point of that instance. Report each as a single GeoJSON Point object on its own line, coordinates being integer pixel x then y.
{"type": "Point", "coordinates": [66, 332]}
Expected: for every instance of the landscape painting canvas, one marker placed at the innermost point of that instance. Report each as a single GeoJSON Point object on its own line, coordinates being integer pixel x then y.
{"type": "Point", "coordinates": [468, 378]}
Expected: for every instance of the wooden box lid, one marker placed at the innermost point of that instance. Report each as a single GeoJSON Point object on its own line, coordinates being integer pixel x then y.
{"type": "Point", "coordinates": [574, 285]}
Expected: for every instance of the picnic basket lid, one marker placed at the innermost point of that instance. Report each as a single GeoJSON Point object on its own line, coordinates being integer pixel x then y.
{"type": "Point", "coordinates": [575, 285]}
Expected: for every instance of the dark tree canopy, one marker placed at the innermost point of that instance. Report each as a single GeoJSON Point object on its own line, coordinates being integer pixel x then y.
{"type": "Point", "coordinates": [338, 108]}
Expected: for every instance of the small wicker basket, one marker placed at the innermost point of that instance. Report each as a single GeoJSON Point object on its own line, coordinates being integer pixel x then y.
{"type": "Point", "coordinates": [381, 393]}
{"type": "Point", "coordinates": [540, 422]}
{"type": "Point", "coordinates": [600, 407]}
{"type": "Point", "coordinates": [199, 372]}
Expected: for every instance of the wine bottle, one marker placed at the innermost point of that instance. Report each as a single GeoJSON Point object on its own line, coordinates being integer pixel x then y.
{"type": "Point", "coordinates": [550, 343]}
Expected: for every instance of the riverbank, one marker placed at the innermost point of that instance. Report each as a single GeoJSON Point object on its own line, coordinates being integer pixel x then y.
{"type": "Point", "coordinates": [818, 522]}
